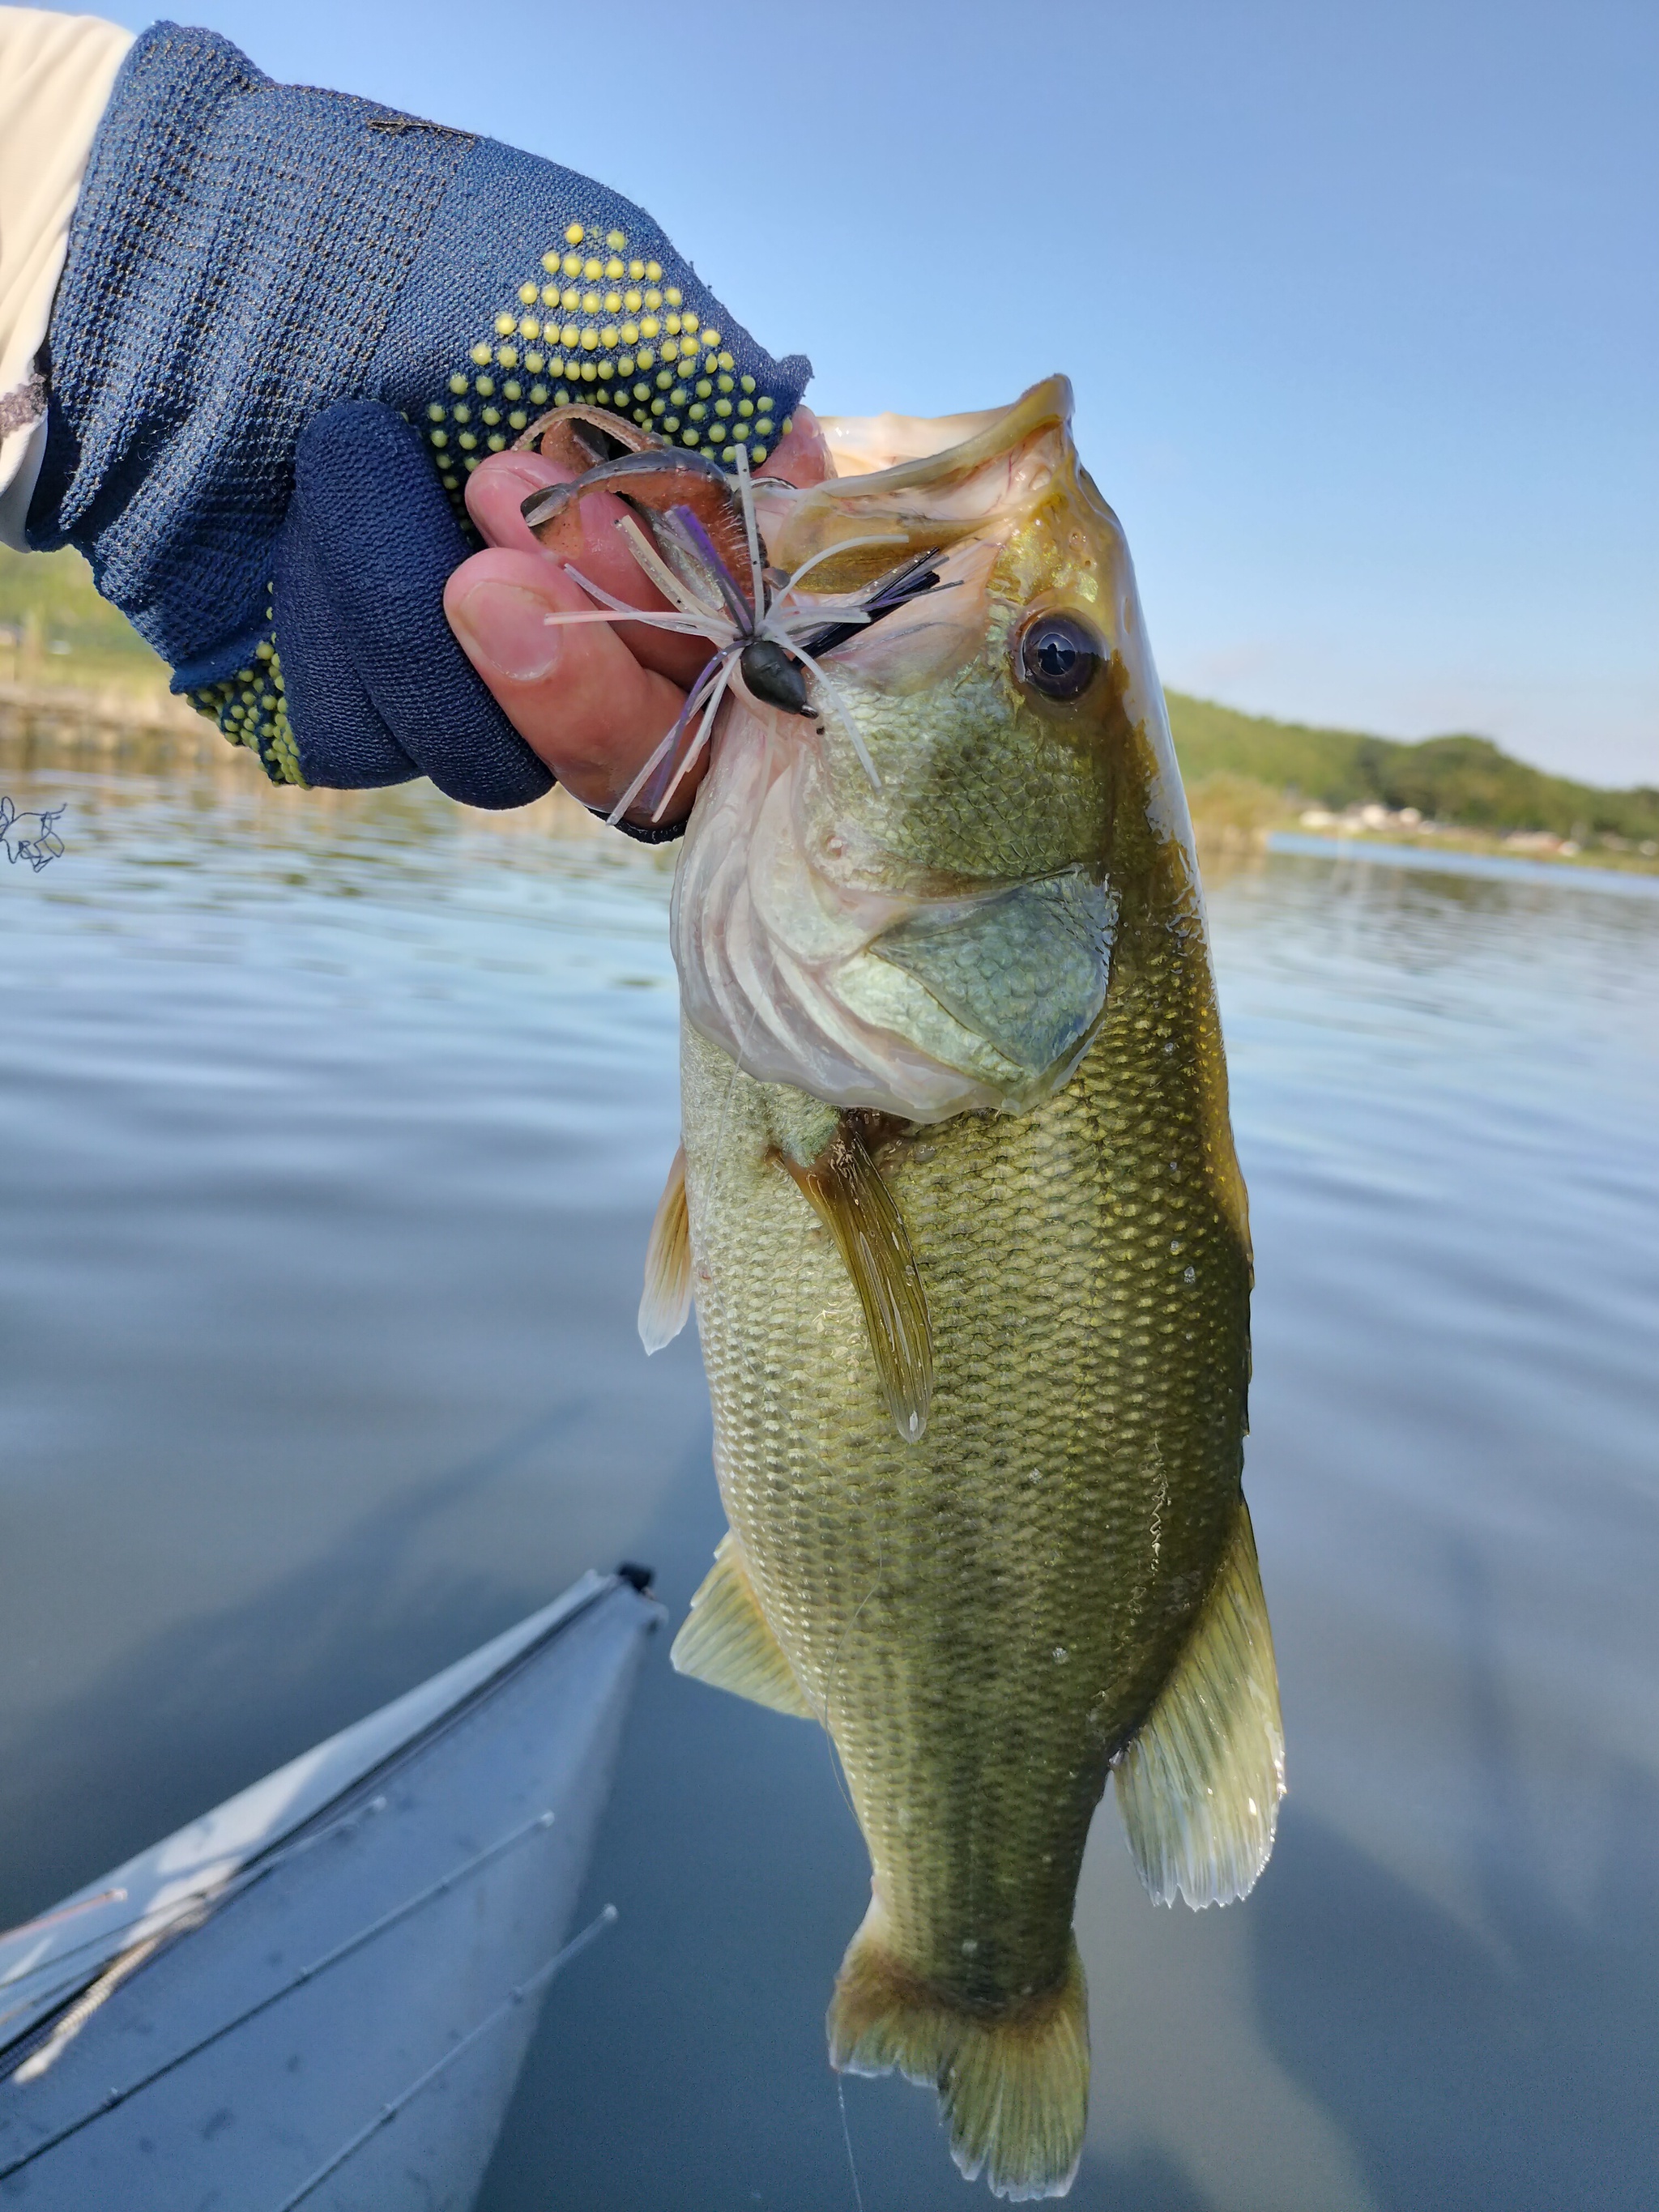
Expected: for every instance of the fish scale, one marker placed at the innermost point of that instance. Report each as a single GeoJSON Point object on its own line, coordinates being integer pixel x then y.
{"type": "Point", "coordinates": [978, 1356]}
{"type": "Point", "coordinates": [1043, 1247]}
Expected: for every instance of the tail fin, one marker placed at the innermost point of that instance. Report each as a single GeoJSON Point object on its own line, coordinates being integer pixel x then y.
{"type": "Point", "coordinates": [1013, 2086]}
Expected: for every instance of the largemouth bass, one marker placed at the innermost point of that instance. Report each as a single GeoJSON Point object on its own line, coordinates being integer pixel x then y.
{"type": "Point", "coordinates": [960, 1210]}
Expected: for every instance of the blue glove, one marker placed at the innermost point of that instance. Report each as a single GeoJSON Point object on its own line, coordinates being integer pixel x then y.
{"type": "Point", "coordinates": [247, 256]}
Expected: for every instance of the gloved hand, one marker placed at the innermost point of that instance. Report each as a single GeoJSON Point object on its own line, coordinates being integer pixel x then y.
{"type": "Point", "coordinates": [246, 257]}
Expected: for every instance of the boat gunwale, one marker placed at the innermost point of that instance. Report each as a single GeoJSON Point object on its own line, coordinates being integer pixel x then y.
{"type": "Point", "coordinates": [190, 1912]}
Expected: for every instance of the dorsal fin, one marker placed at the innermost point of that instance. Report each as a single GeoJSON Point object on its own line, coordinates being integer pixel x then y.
{"type": "Point", "coordinates": [845, 1187]}
{"type": "Point", "coordinates": [1200, 1784]}
{"type": "Point", "coordinates": [725, 1641]}
{"type": "Point", "coordinates": [666, 1302]}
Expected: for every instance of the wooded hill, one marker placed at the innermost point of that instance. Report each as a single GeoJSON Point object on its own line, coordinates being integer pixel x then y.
{"type": "Point", "coordinates": [1463, 780]}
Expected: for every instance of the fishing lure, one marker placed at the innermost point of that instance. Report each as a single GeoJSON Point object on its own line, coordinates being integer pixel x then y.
{"type": "Point", "coordinates": [692, 529]}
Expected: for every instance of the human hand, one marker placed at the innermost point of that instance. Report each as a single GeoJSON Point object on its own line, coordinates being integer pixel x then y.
{"type": "Point", "coordinates": [292, 328]}
{"type": "Point", "coordinates": [591, 700]}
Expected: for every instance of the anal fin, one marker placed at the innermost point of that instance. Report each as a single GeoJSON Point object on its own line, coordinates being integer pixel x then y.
{"type": "Point", "coordinates": [666, 1302]}
{"type": "Point", "coordinates": [846, 1189]}
{"type": "Point", "coordinates": [1199, 1783]}
{"type": "Point", "coordinates": [725, 1641]}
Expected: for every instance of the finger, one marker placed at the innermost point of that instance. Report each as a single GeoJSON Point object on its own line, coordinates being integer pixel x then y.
{"type": "Point", "coordinates": [341, 735]}
{"type": "Point", "coordinates": [574, 692]}
{"type": "Point", "coordinates": [802, 458]}
{"type": "Point", "coordinates": [495, 492]}
{"type": "Point", "coordinates": [497, 489]}
{"type": "Point", "coordinates": [376, 682]}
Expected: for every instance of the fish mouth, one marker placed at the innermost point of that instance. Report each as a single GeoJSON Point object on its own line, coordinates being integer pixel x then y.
{"type": "Point", "coordinates": [930, 481]}
{"type": "Point", "coordinates": [811, 948]}
{"type": "Point", "coordinates": [908, 450]}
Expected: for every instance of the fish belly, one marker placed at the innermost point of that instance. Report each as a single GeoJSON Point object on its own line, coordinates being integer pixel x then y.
{"type": "Point", "coordinates": [983, 1618]}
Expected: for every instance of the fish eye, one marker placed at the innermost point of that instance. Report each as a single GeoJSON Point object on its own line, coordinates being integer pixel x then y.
{"type": "Point", "coordinates": [1058, 656]}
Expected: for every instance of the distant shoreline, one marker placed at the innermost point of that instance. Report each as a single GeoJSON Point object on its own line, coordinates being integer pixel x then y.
{"type": "Point", "coordinates": [1583, 872]}
{"type": "Point", "coordinates": [73, 672]}
{"type": "Point", "coordinates": [1248, 776]}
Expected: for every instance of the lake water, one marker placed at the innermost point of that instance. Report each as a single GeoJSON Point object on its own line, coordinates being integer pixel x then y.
{"type": "Point", "coordinates": [332, 1132]}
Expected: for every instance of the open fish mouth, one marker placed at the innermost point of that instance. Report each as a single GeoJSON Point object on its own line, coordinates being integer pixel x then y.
{"type": "Point", "coordinates": [942, 638]}
{"type": "Point", "coordinates": [819, 940]}
{"type": "Point", "coordinates": [695, 533]}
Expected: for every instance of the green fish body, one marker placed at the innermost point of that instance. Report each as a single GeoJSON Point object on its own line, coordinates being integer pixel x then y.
{"type": "Point", "coordinates": [973, 1286]}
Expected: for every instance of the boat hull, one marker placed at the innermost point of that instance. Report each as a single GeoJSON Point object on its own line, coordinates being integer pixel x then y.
{"type": "Point", "coordinates": [341, 2021]}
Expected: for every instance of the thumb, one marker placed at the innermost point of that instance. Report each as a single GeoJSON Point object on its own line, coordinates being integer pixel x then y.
{"type": "Point", "coordinates": [574, 691]}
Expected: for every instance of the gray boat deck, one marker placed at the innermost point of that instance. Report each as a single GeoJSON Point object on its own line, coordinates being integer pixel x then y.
{"type": "Point", "coordinates": [321, 1993]}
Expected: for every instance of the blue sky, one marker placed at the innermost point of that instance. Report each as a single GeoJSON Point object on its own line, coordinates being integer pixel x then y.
{"type": "Point", "coordinates": [1361, 301]}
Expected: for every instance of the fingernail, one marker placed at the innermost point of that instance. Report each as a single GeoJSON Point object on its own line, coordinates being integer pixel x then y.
{"type": "Point", "coordinates": [531, 470]}
{"type": "Point", "coordinates": [506, 627]}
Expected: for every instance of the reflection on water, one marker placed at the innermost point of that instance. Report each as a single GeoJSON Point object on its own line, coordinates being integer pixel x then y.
{"type": "Point", "coordinates": [332, 1128]}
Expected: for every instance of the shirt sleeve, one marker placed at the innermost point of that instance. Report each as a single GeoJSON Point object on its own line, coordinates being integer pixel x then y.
{"type": "Point", "coordinates": [56, 73]}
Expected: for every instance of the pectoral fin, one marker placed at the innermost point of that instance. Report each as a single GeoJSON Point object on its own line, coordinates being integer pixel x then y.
{"type": "Point", "coordinates": [725, 1641]}
{"type": "Point", "coordinates": [845, 1187]}
{"type": "Point", "coordinates": [1199, 1786]}
{"type": "Point", "coordinates": [667, 1300]}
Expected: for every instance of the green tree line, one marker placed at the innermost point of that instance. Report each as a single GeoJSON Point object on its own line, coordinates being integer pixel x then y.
{"type": "Point", "coordinates": [1467, 781]}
